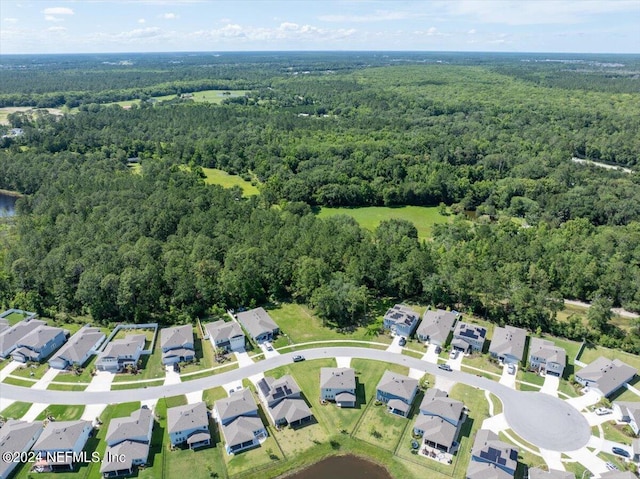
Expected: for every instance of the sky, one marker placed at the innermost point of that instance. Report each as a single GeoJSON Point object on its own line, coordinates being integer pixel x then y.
{"type": "Point", "coordinates": [96, 26]}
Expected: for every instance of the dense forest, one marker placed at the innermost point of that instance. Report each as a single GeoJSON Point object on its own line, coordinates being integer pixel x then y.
{"type": "Point", "coordinates": [493, 135]}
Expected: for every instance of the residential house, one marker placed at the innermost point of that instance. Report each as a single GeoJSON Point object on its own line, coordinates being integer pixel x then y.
{"type": "Point", "coordinates": [189, 424]}
{"type": "Point", "coordinates": [439, 420]}
{"type": "Point", "coordinates": [618, 475]}
{"type": "Point", "coordinates": [225, 335]}
{"type": "Point", "coordinates": [468, 337]}
{"type": "Point", "coordinates": [177, 344]}
{"type": "Point", "coordinates": [485, 470]}
{"type": "Point", "coordinates": [488, 448]}
{"type": "Point", "coordinates": [401, 320]}
{"type": "Point", "coordinates": [397, 392]}
{"type": "Point", "coordinates": [338, 385]}
{"type": "Point", "coordinates": [10, 337]}
{"type": "Point", "coordinates": [628, 412]}
{"type": "Point", "coordinates": [60, 443]}
{"type": "Point", "coordinates": [635, 450]}
{"type": "Point", "coordinates": [127, 438]}
{"type": "Point", "coordinates": [283, 401]}
{"type": "Point", "coordinates": [240, 422]}
{"type": "Point", "coordinates": [120, 353]}
{"type": "Point", "coordinates": [507, 344]}
{"type": "Point", "coordinates": [39, 344]}
{"type": "Point", "coordinates": [4, 324]}
{"type": "Point", "coordinates": [605, 376]}
{"type": "Point", "coordinates": [537, 473]}
{"type": "Point", "coordinates": [17, 437]}
{"type": "Point", "coordinates": [546, 357]}
{"type": "Point", "coordinates": [436, 326]}
{"type": "Point", "coordinates": [78, 349]}
{"type": "Point", "coordinates": [258, 324]}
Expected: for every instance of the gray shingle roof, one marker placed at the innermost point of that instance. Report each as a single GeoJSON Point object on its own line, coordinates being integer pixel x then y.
{"type": "Point", "coordinates": [40, 336]}
{"type": "Point", "coordinates": [618, 475]}
{"type": "Point", "coordinates": [437, 430]}
{"type": "Point", "coordinates": [489, 447]}
{"type": "Point", "coordinates": [176, 337]}
{"type": "Point", "coordinates": [398, 405]}
{"type": "Point", "coordinates": [241, 430]}
{"type": "Point", "coordinates": [127, 450]}
{"type": "Point", "coordinates": [398, 385]}
{"type": "Point", "coordinates": [60, 435]}
{"type": "Point", "coordinates": [4, 324]}
{"type": "Point", "coordinates": [436, 324]}
{"type": "Point", "coordinates": [546, 349]}
{"type": "Point", "coordinates": [220, 330]}
{"type": "Point", "coordinates": [632, 409]}
{"type": "Point", "coordinates": [16, 436]}
{"type": "Point", "coordinates": [635, 445]}
{"type": "Point", "coordinates": [337, 378]}
{"type": "Point", "coordinates": [187, 417]}
{"type": "Point", "coordinates": [124, 347]}
{"type": "Point", "coordinates": [482, 470]}
{"type": "Point", "coordinates": [508, 340]}
{"type": "Point", "coordinates": [256, 322]}
{"type": "Point", "coordinates": [10, 337]}
{"type": "Point", "coordinates": [135, 425]}
{"type": "Point", "coordinates": [438, 404]}
{"type": "Point", "coordinates": [291, 409]}
{"type": "Point", "coordinates": [237, 404]}
{"type": "Point", "coordinates": [80, 343]}
{"type": "Point", "coordinates": [537, 473]}
{"type": "Point", "coordinates": [609, 375]}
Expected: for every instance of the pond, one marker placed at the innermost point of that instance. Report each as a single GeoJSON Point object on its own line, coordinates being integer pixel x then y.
{"type": "Point", "coordinates": [342, 467]}
{"type": "Point", "coordinates": [7, 205]}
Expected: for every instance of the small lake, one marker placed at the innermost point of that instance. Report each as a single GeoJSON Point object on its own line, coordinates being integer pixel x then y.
{"type": "Point", "coordinates": [7, 205]}
{"type": "Point", "coordinates": [342, 467]}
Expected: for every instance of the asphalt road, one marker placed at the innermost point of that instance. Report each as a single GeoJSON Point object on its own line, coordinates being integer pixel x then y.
{"type": "Point", "coordinates": [540, 419]}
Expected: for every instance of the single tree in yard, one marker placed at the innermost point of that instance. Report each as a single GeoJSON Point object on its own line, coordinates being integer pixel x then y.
{"type": "Point", "coordinates": [599, 314]}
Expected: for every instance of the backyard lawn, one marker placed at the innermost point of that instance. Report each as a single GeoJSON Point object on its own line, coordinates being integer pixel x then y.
{"type": "Point", "coordinates": [380, 427]}
{"type": "Point", "coordinates": [590, 353]}
{"type": "Point", "coordinates": [423, 217]}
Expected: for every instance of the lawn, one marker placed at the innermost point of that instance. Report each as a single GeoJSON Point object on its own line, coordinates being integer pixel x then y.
{"type": "Point", "coordinates": [209, 396]}
{"type": "Point", "coordinates": [214, 176]}
{"type": "Point", "coordinates": [67, 387]}
{"type": "Point", "coordinates": [62, 412]}
{"type": "Point", "coordinates": [623, 394]}
{"type": "Point", "coordinates": [136, 385]}
{"type": "Point", "coordinates": [482, 361]}
{"type": "Point", "coordinates": [204, 354]}
{"type": "Point", "coordinates": [423, 217]}
{"type": "Point", "coordinates": [614, 433]}
{"type": "Point", "coordinates": [152, 367]}
{"type": "Point", "coordinates": [590, 353]}
{"type": "Point", "coordinates": [14, 317]}
{"type": "Point", "coordinates": [16, 410]}
{"type": "Point", "coordinates": [302, 325]}
{"type": "Point", "coordinates": [31, 370]}
{"type": "Point", "coordinates": [530, 377]}
{"type": "Point", "coordinates": [380, 427]}
{"type": "Point", "coordinates": [216, 96]}
{"type": "Point", "coordinates": [18, 382]}
{"type": "Point", "coordinates": [617, 460]}
{"type": "Point", "coordinates": [175, 401]}
{"type": "Point", "coordinates": [84, 377]}
{"type": "Point", "coordinates": [497, 404]}
{"type": "Point", "coordinates": [218, 370]}
{"type": "Point", "coordinates": [124, 332]}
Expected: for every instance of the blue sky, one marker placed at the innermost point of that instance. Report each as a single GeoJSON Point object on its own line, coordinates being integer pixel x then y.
{"type": "Point", "coordinates": [88, 26]}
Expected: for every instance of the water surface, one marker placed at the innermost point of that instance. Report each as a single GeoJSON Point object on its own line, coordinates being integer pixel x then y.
{"type": "Point", "coordinates": [342, 467]}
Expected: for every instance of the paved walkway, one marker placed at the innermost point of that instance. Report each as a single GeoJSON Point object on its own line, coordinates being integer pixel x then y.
{"type": "Point", "coordinates": [632, 389]}
{"type": "Point", "coordinates": [46, 379]}
{"type": "Point", "coordinates": [495, 423]}
{"type": "Point", "coordinates": [507, 379]}
{"type": "Point", "coordinates": [550, 386]}
{"type": "Point", "coordinates": [584, 401]}
{"type": "Point", "coordinates": [8, 369]}
{"type": "Point", "coordinates": [553, 459]}
{"type": "Point", "coordinates": [101, 381]}
{"type": "Point", "coordinates": [34, 411]}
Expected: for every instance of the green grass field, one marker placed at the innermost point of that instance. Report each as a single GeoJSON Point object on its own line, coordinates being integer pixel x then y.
{"type": "Point", "coordinates": [214, 176]}
{"type": "Point", "coordinates": [16, 410]}
{"type": "Point", "coordinates": [62, 412]}
{"type": "Point", "coordinates": [590, 353]}
{"type": "Point", "coordinates": [216, 96]}
{"type": "Point", "coordinates": [423, 217]}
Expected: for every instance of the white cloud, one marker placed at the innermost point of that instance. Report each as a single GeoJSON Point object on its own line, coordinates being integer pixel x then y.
{"type": "Point", "coordinates": [57, 11]}
{"type": "Point", "coordinates": [141, 20]}
{"type": "Point", "coordinates": [57, 29]}
{"type": "Point", "coordinates": [169, 16]}
{"type": "Point", "coordinates": [377, 16]}
{"type": "Point", "coordinates": [286, 31]}
{"type": "Point", "coordinates": [10, 20]}
{"type": "Point", "coordinates": [51, 18]}
{"type": "Point", "coordinates": [472, 31]}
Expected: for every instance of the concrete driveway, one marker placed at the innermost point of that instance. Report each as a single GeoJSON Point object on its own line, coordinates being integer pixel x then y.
{"type": "Point", "coordinates": [395, 347]}
{"type": "Point", "coordinates": [538, 418]}
{"type": "Point", "coordinates": [594, 420]}
{"type": "Point", "coordinates": [604, 445]}
{"type": "Point", "coordinates": [46, 378]}
{"type": "Point", "coordinates": [267, 353]}
{"type": "Point", "coordinates": [550, 386]}
{"type": "Point", "coordinates": [589, 460]}
{"type": "Point", "coordinates": [584, 401]}
{"type": "Point", "coordinates": [8, 369]}
{"type": "Point", "coordinates": [553, 459]}
{"type": "Point", "coordinates": [507, 379]}
{"type": "Point", "coordinates": [431, 356]}
{"type": "Point", "coordinates": [171, 376]}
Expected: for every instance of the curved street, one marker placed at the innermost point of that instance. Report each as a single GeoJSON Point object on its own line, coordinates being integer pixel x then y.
{"type": "Point", "coordinates": [540, 419]}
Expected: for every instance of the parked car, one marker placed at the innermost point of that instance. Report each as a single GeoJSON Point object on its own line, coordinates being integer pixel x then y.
{"type": "Point", "coordinates": [402, 341]}
{"type": "Point", "coordinates": [602, 411]}
{"type": "Point", "coordinates": [444, 367]}
{"type": "Point", "coordinates": [620, 452]}
{"type": "Point", "coordinates": [268, 346]}
{"type": "Point", "coordinates": [297, 358]}
{"type": "Point", "coordinates": [511, 368]}
{"type": "Point", "coordinates": [453, 354]}
{"type": "Point", "coordinates": [438, 349]}
{"type": "Point", "coordinates": [610, 466]}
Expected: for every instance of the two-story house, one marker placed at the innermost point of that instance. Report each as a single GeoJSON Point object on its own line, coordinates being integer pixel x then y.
{"type": "Point", "coordinates": [468, 337]}
{"type": "Point", "coordinates": [177, 344]}
{"type": "Point", "coordinates": [240, 422]}
{"type": "Point", "coordinates": [507, 344]}
{"type": "Point", "coordinates": [401, 320]}
{"type": "Point", "coordinates": [605, 376]}
{"type": "Point", "coordinates": [489, 449]}
{"type": "Point", "coordinates": [283, 401]}
{"type": "Point", "coordinates": [439, 420]}
{"type": "Point", "coordinates": [17, 437]}
{"type": "Point", "coordinates": [120, 353]}
{"type": "Point", "coordinates": [9, 337]}
{"type": "Point", "coordinates": [628, 412]}
{"type": "Point", "coordinates": [78, 349]}
{"type": "Point", "coordinates": [189, 424]}
{"type": "Point", "coordinates": [338, 385]}
{"type": "Point", "coordinates": [436, 326]}
{"type": "Point", "coordinates": [258, 324]}
{"type": "Point", "coordinates": [128, 441]}
{"type": "Point", "coordinates": [39, 344]}
{"type": "Point", "coordinates": [397, 392]}
{"type": "Point", "coordinates": [60, 443]}
{"type": "Point", "coordinates": [546, 357]}
{"type": "Point", "coordinates": [225, 335]}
